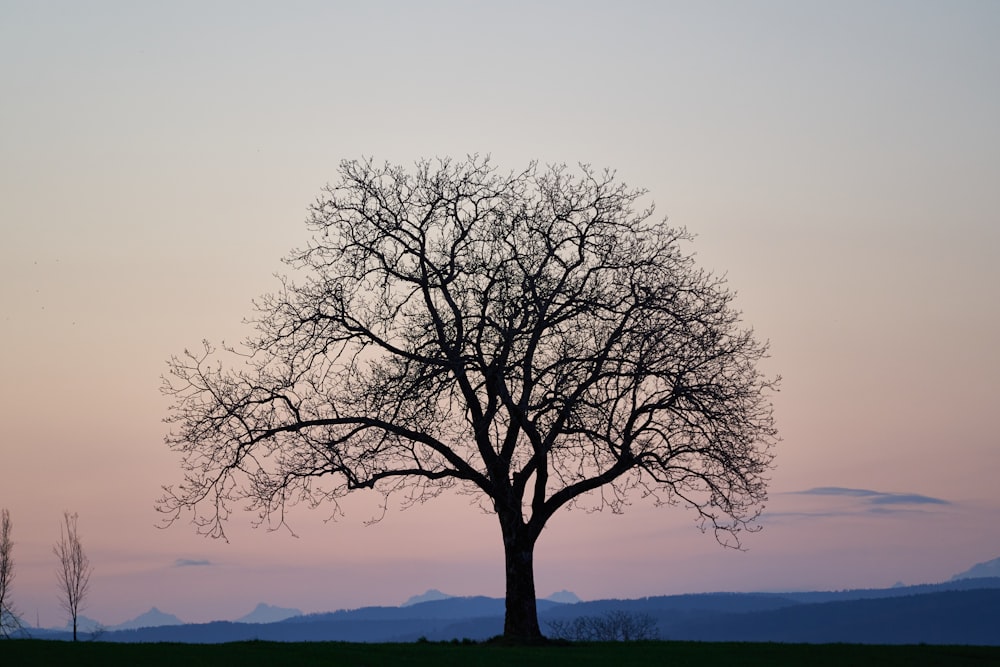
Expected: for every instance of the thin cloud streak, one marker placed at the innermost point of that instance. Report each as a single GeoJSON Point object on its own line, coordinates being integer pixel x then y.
{"type": "Point", "coordinates": [908, 498]}
{"type": "Point", "coordinates": [191, 562]}
{"type": "Point", "coordinates": [861, 502]}
{"type": "Point", "coordinates": [876, 497]}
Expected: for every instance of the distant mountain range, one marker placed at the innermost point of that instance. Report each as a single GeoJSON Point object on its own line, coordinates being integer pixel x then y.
{"type": "Point", "coordinates": [990, 568]}
{"type": "Point", "coordinates": [151, 619]}
{"type": "Point", "coordinates": [265, 613]}
{"type": "Point", "coordinates": [430, 596]}
{"type": "Point", "coordinates": [565, 597]}
{"type": "Point", "coordinates": [964, 610]}
{"type": "Point", "coordinates": [154, 618]}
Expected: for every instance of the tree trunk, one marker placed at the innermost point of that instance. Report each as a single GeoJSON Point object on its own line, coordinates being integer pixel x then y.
{"type": "Point", "coordinates": [521, 618]}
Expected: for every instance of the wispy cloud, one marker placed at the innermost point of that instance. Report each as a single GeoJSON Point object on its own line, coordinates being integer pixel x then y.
{"type": "Point", "coordinates": [844, 502]}
{"type": "Point", "coordinates": [875, 497]}
{"type": "Point", "coordinates": [191, 562]}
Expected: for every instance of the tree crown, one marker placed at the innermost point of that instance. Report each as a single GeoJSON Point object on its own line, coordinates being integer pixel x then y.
{"type": "Point", "coordinates": [530, 336]}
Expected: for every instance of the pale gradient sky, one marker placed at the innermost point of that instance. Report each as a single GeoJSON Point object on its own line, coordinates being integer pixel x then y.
{"type": "Point", "coordinates": [839, 160]}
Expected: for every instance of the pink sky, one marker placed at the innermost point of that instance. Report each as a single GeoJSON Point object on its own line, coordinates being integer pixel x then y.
{"type": "Point", "coordinates": [839, 161]}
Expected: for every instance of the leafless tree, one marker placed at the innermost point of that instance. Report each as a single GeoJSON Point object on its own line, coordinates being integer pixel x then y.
{"type": "Point", "coordinates": [534, 338]}
{"type": "Point", "coordinates": [614, 626]}
{"type": "Point", "coordinates": [74, 568]}
{"type": "Point", "coordinates": [10, 622]}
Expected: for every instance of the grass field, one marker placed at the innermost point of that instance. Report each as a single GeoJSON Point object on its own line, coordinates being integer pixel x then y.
{"type": "Point", "coordinates": [647, 654]}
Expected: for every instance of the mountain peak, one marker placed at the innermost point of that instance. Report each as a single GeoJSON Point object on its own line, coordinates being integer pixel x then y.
{"type": "Point", "coordinates": [84, 624]}
{"type": "Point", "coordinates": [265, 613]}
{"type": "Point", "coordinates": [430, 596]}
{"type": "Point", "coordinates": [151, 619]}
{"type": "Point", "coordinates": [990, 568]}
{"type": "Point", "coordinates": [563, 597]}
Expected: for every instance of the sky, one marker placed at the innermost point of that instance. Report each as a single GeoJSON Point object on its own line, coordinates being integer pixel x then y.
{"type": "Point", "coordinates": [838, 162]}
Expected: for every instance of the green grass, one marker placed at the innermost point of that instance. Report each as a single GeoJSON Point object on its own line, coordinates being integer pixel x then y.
{"type": "Point", "coordinates": [647, 654]}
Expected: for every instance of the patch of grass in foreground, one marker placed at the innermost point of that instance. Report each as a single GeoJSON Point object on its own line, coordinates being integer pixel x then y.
{"type": "Point", "coordinates": [676, 654]}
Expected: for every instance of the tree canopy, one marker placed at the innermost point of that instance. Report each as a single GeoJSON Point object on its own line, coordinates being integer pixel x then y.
{"type": "Point", "coordinates": [536, 337]}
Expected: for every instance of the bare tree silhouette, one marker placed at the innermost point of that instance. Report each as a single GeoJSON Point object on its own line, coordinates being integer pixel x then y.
{"type": "Point", "coordinates": [530, 337]}
{"type": "Point", "coordinates": [74, 569]}
{"type": "Point", "coordinates": [10, 622]}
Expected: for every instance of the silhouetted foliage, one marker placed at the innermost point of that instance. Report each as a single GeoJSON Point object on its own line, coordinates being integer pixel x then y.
{"type": "Point", "coordinates": [531, 337]}
{"type": "Point", "coordinates": [74, 569]}
{"type": "Point", "coordinates": [614, 626]}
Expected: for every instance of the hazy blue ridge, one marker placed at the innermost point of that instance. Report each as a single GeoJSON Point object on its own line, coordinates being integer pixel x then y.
{"type": "Point", "coordinates": [450, 608]}
{"type": "Point", "coordinates": [961, 612]}
{"type": "Point", "coordinates": [152, 618]}
{"type": "Point", "coordinates": [265, 613]}
{"type": "Point", "coordinates": [964, 584]}
{"type": "Point", "coordinates": [947, 617]}
{"type": "Point", "coordinates": [695, 602]}
{"type": "Point", "coordinates": [990, 568]}
{"type": "Point", "coordinates": [429, 596]}
{"type": "Point", "coordinates": [227, 631]}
